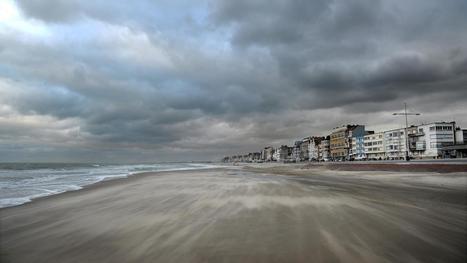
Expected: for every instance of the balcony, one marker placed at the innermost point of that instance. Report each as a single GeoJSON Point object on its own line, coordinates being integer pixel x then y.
{"type": "Point", "coordinates": [416, 134]}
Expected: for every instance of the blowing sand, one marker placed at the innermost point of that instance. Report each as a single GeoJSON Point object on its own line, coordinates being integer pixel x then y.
{"type": "Point", "coordinates": [246, 215]}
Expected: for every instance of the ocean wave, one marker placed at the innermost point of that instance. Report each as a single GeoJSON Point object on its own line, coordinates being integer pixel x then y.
{"type": "Point", "coordinates": [25, 183]}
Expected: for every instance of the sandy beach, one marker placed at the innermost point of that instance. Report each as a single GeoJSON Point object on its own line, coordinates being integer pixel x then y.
{"type": "Point", "coordinates": [254, 214]}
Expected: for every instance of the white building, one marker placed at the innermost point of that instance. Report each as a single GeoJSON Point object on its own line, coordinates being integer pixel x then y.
{"type": "Point", "coordinates": [324, 153]}
{"type": "Point", "coordinates": [296, 152]}
{"type": "Point", "coordinates": [283, 153]}
{"type": "Point", "coordinates": [374, 146]}
{"type": "Point", "coordinates": [395, 144]}
{"type": "Point", "coordinates": [313, 148]}
{"type": "Point", "coordinates": [426, 140]}
{"type": "Point", "coordinates": [304, 154]}
{"type": "Point", "coordinates": [461, 136]}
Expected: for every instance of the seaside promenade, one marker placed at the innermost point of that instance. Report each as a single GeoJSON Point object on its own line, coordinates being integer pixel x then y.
{"type": "Point", "coordinates": [261, 213]}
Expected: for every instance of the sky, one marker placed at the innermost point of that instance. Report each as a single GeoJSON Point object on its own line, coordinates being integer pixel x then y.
{"type": "Point", "coordinates": [181, 80]}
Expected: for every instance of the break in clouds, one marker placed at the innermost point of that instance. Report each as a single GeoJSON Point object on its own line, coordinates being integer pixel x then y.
{"type": "Point", "coordinates": [196, 80]}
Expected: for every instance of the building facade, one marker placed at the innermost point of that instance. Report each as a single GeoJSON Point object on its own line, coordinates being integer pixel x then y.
{"type": "Point", "coordinates": [427, 140]}
{"type": "Point", "coordinates": [283, 153]}
{"type": "Point", "coordinates": [324, 152]}
{"type": "Point", "coordinates": [461, 136]}
{"type": "Point", "coordinates": [313, 148]}
{"type": "Point", "coordinates": [395, 144]}
{"type": "Point", "coordinates": [267, 154]}
{"type": "Point", "coordinates": [296, 152]}
{"type": "Point", "coordinates": [374, 146]}
{"type": "Point", "coordinates": [304, 154]}
{"type": "Point", "coordinates": [340, 141]}
{"type": "Point", "coordinates": [357, 151]}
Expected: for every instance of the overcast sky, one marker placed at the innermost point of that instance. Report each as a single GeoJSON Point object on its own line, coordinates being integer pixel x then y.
{"type": "Point", "coordinates": [138, 81]}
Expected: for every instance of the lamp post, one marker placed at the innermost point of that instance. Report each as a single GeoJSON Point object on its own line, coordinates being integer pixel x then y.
{"type": "Point", "coordinates": [405, 113]}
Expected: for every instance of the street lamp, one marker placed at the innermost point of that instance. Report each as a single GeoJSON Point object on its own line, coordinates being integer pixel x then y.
{"type": "Point", "coordinates": [405, 113]}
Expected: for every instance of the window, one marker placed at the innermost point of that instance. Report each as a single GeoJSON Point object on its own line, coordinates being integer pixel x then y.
{"type": "Point", "coordinates": [420, 130]}
{"type": "Point", "coordinates": [432, 128]}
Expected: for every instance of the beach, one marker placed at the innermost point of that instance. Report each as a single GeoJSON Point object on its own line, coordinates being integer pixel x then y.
{"type": "Point", "coordinates": [255, 213]}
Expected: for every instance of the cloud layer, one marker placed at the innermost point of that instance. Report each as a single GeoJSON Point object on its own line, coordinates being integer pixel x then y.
{"type": "Point", "coordinates": [183, 80]}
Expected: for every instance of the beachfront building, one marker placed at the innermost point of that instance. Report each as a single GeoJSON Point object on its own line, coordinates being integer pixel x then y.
{"type": "Point", "coordinates": [313, 148]}
{"type": "Point", "coordinates": [340, 141]}
{"type": "Point", "coordinates": [395, 144]}
{"type": "Point", "coordinates": [459, 149]}
{"type": "Point", "coordinates": [374, 146]}
{"type": "Point", "coordinates": [296, 151]}
{"type": "Point", "coordinates": [254, 157]}
{"type": "Point", "coordinates": [268, 153]}
{"type": "Point", "coordinates": [304, 154]}
{"type": "Point", "coordinates": [357, 141]}
{"type": "Point", "coordinates": [323, 150]}
{"type": "Point", "coordinates": [427, 140]}
{"type": "Point", "coordinates": [461, 136]}
{"type": "Point", "coordinates": [283, 153]}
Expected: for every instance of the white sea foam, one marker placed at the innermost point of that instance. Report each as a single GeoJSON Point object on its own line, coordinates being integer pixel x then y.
{"type": "Point", "coordinates": [24, 183]}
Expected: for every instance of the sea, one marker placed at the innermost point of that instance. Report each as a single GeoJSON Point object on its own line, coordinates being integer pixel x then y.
{"type": "Point", "coordinates": [22, 182]}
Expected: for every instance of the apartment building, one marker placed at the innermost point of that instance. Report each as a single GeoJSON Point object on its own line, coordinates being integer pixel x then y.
{"type": "Point", "coordinates": [313, 148]}
{"type": "Point", "coordinates": [296, 151]}
{"type": "Point", "coordinates": [304, 154]}
{"type": "Point", "coordinates": [283, 153]}
{"type": "Point", "coordinates": [323, 149]}
{"type": "Point", "coordinates": [395, 144]}
{"type": "Point", "coordinates": [374, 146]}
{"type": "Point", "coordinates": [267, 154]}
{"type": "Point", "coordinates": [357, 150]}
{"type": "Point", "coordinates": [340, 141]}
{"type": "Point", "coordinates": [427, 140]}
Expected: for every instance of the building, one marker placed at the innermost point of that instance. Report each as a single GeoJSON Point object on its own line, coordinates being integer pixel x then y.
{"type": "Point", "coordinates": [323, 150]}
{"type": "Point", "coordinates": [304, 155]}
{"type": "Point", "coordinates": [374, 146]}
{"type": "Point", "coordinates": [461, 136]}
{"type": "Point", "coordinates": [357, 151]}
{"type": "Point", "coordinates": [254, 157]}
{"type": "Point", "coordinates": [395, 144]}
{"type": "Point", "coordinates": [313, 148]}
{"type": "Point", "coordinates": [427, 140]}
{"type": "Point", "coordinates": [340, 141]}
{"type": "Point", "coordinates": [268, 153]}
{"type": "Point", "coordinates": [296, 151]}
{"type": "Point", "coordinates": [459, 149]}
{"type": "Point", "coordinates": [283, 153]}
{"type": "Point", "coordinates": [352, 142]}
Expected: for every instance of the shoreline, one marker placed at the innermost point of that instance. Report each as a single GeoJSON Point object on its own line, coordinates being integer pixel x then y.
{"type": "Point", "coordinates": [275, 168]}
{"type": "Point", "coordinates": [100, 184]}
{"type": "Point", "coordinates": [286, 168]}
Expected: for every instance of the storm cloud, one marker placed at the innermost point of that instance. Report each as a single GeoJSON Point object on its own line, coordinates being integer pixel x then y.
{"type": "Point", "coordinates": [195, 80]}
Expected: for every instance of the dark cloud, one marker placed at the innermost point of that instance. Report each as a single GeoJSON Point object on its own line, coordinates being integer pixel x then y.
{"type": "Point", "coordinates": [195, 80]}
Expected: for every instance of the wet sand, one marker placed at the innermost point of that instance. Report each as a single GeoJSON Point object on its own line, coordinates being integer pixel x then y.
{"type": "Point", "coordinates": [274, 214]}
{"type": "Point", "coordinates": [392, 167]}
